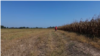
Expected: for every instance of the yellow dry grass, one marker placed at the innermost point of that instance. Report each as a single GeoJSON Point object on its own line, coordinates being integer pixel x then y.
{"type": "Point", "coordinates": [41, 42]}
{"type": "Point", "coordinates": [46, 41]}
{"type": "Point", "coordinates": [81, 38]}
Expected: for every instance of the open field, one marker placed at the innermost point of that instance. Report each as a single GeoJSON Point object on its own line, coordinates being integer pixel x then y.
{"type": "Point", "coordinates": [46, 42]}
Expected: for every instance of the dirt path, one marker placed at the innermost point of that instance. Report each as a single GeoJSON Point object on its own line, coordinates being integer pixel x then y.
{"type": "Point", "coordinates": [48, 43]}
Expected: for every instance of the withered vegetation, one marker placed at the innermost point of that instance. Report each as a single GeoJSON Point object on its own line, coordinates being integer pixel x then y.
{"type": "Point", "coordinates": [89, 28]}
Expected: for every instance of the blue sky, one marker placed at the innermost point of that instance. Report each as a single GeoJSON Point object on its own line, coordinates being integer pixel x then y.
{"type": "Point", "coordinates": [46, 13]}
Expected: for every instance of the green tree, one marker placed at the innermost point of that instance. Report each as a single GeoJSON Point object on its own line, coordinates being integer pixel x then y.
{"type": "Point", "coordinates": [3, 26]}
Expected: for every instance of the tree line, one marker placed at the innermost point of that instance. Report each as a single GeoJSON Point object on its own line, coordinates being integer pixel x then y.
{"type": "Point", "coordinates": [4, 27]}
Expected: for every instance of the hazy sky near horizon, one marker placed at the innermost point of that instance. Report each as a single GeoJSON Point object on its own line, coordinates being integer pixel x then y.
{"type": "Point", "coordinates": [46, 13]}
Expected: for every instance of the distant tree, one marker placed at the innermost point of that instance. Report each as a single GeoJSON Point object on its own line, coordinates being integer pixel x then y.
{"type": "Point", "coordinates": [37, 27]}
{"type": "Point", "coordinates": [21, 27]}
{"type": "Point", "coordinates": [12, 27]}
{"type": "Point", "coordinates": [50, 27]}
{"type": "Point", "coordinates": [7, 27]}
{"type": "Point", "coordinates": [27, 27]}
{"type": "Point", "coordinates": [3, 26]}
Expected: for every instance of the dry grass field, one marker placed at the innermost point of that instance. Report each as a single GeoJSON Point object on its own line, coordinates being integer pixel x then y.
{"type": "Point", "coordinates": [46, 42]}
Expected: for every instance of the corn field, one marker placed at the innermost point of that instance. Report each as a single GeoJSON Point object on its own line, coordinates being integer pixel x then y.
{"type": "Point", "coordinates": [89, 28]}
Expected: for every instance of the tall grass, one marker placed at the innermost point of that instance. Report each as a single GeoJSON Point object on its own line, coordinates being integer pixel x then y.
{"type": "Point", "coordinates": [89, 28]}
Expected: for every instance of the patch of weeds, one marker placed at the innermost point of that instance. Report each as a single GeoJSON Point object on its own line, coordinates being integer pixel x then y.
{"type": "Point", "coordinates": [11, 38]}
{"type": "Point", "coordinates": [60, 52]}
{"type": "Point", "coordinates": [71, 44]}
{"type": "Point", "coordinates": [88, 54]}
{"type": "Point", "coordinates": [1, 38]}
{"type": "Point", "coordinates": [53, 33]}
{"type": "Point", "coordinates": [57, 53]}
{"type": "Point", "coordinates": [68, 36]}
{"type": "Point", "coordinates": [39, 38]}
{"type": "Point", "coordinates": [31, 54]}
{"type": "Point", "coordinates": [95, 39]}
{"type": "Point", "coordinates": [52, 54]}
{"type": "Point", "coordinates": [63, 33]}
